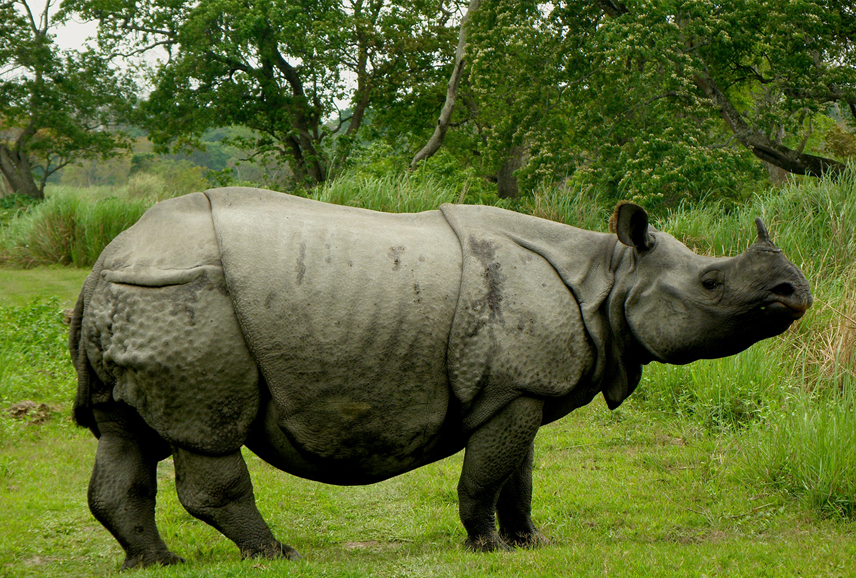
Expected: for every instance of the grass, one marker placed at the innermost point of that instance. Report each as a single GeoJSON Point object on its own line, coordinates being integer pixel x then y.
{"type": "Point", "coordinates": [21, 286]}
{"type": "Point", "coordinates": [744, 466]}
{"type": "Point", "coordinates": [34, 361]}
{"type": "Point", "coordinates": [67, 230]}
{"type": "Point", "coordinates": [617, 495]}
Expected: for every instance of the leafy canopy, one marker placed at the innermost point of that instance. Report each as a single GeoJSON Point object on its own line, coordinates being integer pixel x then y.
{"type": "Point", "coordinates": [297, 72]}
{"type": "Point", "coordinates": [55, 105]}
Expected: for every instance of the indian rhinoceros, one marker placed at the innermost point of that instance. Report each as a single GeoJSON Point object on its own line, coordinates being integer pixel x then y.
{"type": "Point", "coordinates": [348, 346]}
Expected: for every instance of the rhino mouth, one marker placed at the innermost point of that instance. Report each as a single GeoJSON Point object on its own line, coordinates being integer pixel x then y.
{"type": "Point", "coordinates": [795, 309]}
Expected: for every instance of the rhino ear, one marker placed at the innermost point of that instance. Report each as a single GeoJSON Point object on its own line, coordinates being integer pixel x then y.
{"type": "Point", "coordinates": [630, 223]}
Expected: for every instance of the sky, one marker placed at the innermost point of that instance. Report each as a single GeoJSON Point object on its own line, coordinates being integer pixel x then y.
{"type": "Point", "coordinates": [74, 34]}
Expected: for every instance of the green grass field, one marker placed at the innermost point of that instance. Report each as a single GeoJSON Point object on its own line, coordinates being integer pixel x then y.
{"type": "Point", "coordinates": [618, 495]}
{"type": "Point", "coordinates": [744, 466]}
{"type": "Point", "coordinates": [20, 286]}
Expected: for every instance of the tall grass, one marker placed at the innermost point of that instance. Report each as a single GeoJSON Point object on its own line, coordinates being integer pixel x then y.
{"type": "Point", "coordinates": [392, 193]}
{"type": "Point", "coordinates": [405, 193]}
{"type": "Point", "coordinates": [812, 221]}
{"type": "Point", "coordinates": [793, 394]}
{"type": "Point", "coordinates": [808, 450]}
{"type": "Point", "coordinates": [67, 229]}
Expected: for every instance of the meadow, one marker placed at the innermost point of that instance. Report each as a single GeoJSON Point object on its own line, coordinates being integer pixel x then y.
{"type": "Point", "coordinates": [744, 466]}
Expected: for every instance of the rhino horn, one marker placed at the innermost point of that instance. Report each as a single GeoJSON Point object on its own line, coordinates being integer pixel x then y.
{"type": "Point", "coordinates": [763, 243]}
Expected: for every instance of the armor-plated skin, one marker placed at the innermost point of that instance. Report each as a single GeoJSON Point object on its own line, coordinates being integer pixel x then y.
{"type": "Point", "coordinates": [349, 346]}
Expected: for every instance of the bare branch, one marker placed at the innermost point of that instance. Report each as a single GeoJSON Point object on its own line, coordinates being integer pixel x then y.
{"type": "Point", "coordinates": [30, 17]}
{"type": "Point", "coordinates": [436, 140]}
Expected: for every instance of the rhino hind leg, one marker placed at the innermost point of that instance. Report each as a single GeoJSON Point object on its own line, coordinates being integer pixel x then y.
{"type": "Point", "coordinates": [124, 483]}
{"type": "Point", "coordinates": [497, 454]}
{"type": "Point", "coordinates": [218, 491]}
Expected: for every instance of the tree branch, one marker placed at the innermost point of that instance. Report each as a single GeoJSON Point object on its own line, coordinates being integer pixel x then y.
{"type": "Point", "coordinates": [613, 7]}
{"type": "Point", "coordinates": [436, 140]}
{"type": "Point", "coordinates": [793, 161]}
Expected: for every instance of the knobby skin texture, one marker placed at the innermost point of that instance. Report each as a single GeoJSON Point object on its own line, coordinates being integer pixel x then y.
{"type": "Point", "coordinates": [349, 346]}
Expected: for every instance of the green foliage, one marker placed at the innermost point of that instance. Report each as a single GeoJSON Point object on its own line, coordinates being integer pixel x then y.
{"type": "Point", "coordinates": [656, 101]}
{"type": "Point", "coordinates": [34, 363]}
{"type": "Point", "coordinates": [840, 143]}
{"type": "Point", "coordinates": [278, 68]}
{"type": "Point", "coordinates": [54, 105]}
{"type": "Point", "coordinates": [12, 205]}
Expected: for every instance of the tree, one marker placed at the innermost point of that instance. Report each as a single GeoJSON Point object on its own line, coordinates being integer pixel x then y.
{"type": "Point", "coordinates": [55, 106]}
{"type": "Point", "coordinates": [766, 67]}
{"type": "Point", "coordinates": [658, 100]}
{"type": "Point", "coordinates": [281, 68]}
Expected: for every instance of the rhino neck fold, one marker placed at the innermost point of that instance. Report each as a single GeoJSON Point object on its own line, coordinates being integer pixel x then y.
{"type": "Point", "coordinates": [623, 357]}
{"type": "Point", "coordinates": [516, 268]}
{"type": "Point", "coordinates": [618, 364]}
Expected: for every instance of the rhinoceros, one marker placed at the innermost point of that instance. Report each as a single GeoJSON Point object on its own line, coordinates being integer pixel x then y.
{"type": "Point", "coordinates": [348, 346]}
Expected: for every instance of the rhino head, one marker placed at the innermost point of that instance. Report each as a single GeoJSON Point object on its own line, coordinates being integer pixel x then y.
{"type": "Point", "coordinates": [681, 306]}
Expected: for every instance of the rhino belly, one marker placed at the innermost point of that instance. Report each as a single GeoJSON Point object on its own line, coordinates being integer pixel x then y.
{"type": "Point", "coordinates": [348, 315]}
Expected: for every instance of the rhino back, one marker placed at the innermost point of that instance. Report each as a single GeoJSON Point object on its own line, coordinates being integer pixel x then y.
{"type": "Point", "coordinates": [348, 314]}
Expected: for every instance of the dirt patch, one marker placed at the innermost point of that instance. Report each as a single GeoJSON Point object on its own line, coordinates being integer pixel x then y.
{"type": "Point", "coordinates": [30, 411]}
{"type": "Point", "coordinates": [40, 560]}
{"type": "Point", "coordinates": [369, 545]}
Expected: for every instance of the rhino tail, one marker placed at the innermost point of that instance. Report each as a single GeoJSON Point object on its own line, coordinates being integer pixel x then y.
{"type": "Point", "coordinates": [82, 410]}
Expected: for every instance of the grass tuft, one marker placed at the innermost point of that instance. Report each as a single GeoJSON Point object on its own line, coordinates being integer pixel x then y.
{"type": "Point", "coordinates": [809, 450]}
{"type": "Point", "coordinates": [67, 230]}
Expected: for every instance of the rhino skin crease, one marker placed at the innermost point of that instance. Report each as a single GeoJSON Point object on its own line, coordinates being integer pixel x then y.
{"type": "Point", "coordinates": [348, 346]}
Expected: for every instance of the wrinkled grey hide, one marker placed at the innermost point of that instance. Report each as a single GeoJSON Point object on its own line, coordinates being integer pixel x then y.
{"type": "Point", "coordinates": [348, 346]}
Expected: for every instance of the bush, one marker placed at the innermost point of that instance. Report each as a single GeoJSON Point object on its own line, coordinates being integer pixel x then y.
{"type": "Point", "coordinates": [13, 205]}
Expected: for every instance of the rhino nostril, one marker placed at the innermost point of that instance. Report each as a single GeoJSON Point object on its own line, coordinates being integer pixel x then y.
{"type": "Point", "coordinates": [784, 289]}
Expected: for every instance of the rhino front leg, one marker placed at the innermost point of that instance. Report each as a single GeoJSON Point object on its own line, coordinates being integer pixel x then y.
{"type": "Point", "coordinates": [495, 454]}
{"type": "Point", "coordinates": [218, 491]}
{"type": "Point", "coordinates": [514, 507]}
{"type": "Point", "coordinates": [123, 485]}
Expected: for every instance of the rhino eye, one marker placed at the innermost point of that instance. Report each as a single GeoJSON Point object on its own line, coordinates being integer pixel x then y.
{"type": "Point", "coordinates": [710, 284]}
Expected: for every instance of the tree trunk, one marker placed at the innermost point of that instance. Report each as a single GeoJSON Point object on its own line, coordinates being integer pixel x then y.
{"type": "Point", "coordinates": [506, 182]}
{"type": "Point", "coordinates": [436, 140]}
{"type": "Point", "coordinates": [18, 174]}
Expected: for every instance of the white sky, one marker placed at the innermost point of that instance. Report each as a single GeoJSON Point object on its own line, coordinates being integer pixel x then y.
{"type": "Point", "coordinates": [74, 34]}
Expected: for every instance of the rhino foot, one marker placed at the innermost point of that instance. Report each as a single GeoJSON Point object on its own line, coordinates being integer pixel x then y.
{"type": "Point", "coordinates": [489, 543]}
{"type": "Point", "coordinates": [534, 539]}
{"type": "Point", "coordinates": [273, 551]}
{"type": "Point", "coordinates": [162, 558]}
